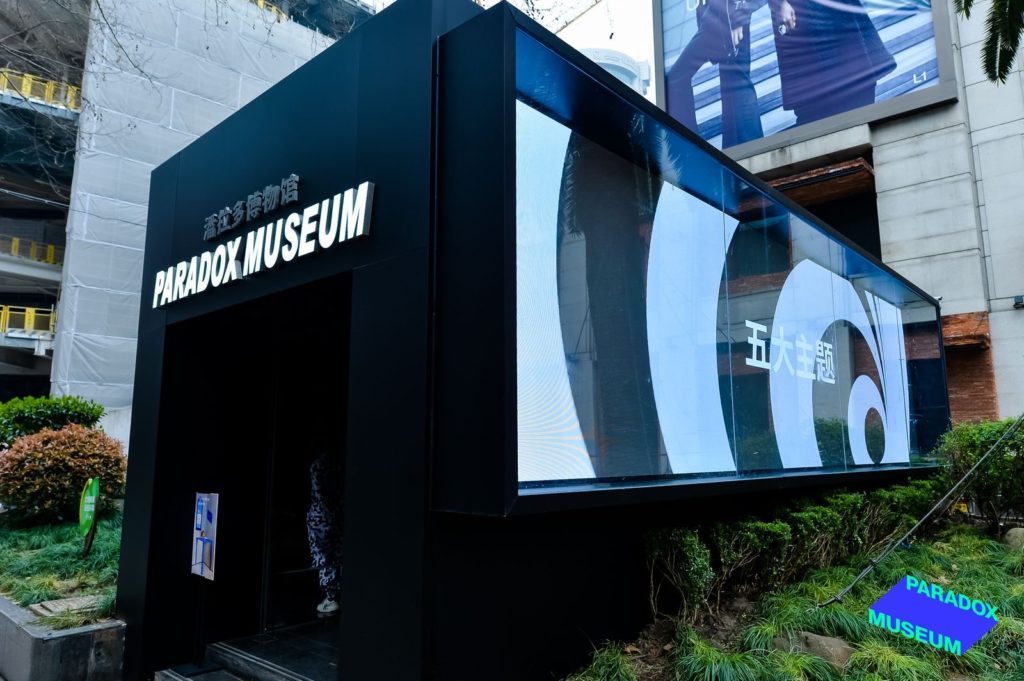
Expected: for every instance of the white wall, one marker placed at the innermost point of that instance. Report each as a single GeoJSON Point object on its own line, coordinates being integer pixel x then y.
{"type": "Point", "coordinates": [996, 114]}
{"type": "Point", "coordinates": [117, 423]}
{"type": "Point", "coordinates": [158, 75]}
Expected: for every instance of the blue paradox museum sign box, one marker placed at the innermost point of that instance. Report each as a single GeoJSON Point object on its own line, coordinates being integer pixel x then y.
{"type": "Point", "coordinates": [572, 321]}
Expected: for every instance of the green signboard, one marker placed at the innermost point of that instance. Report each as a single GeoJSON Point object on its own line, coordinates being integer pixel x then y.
{"type": "Point", "coordinates": [87, 506]}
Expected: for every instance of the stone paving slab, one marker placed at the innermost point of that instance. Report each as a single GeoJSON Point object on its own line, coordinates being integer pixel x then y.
{"type": "Point", "coordinates": [50, 608]}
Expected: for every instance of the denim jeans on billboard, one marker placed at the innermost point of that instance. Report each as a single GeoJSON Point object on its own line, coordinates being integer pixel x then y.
{"type": "Point", "coordinates": [741, 120]}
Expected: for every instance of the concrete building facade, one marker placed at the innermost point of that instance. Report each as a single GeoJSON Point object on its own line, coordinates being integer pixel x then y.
{"type": "Point", "coordinates": [947, 190]}
{"type": "Point", "coordinates": [156, 76]}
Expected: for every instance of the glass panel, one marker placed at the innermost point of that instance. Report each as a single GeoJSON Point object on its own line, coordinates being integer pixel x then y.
{"type": "Point", "coordinates": [926, 373]}
{"type": "Point", "coordinates": [757, 263]}
{"type": "Point", "coordinates": [675, 321]}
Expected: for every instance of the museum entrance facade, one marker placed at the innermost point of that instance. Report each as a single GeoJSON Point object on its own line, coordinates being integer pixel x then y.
{"type": "Point", "coordinates": [528, 303]}
{"type": "Point", "coordinates": [265, 427]}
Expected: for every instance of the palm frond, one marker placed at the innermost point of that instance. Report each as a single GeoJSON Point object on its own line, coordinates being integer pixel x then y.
{"type": "Point", "coordinates": [1003, 29]}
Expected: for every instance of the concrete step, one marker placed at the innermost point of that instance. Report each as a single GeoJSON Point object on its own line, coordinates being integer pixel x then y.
{"type": "Point", "coordinates": [248, 666]}
{"type": "Point", "coordinates": [214, 675]}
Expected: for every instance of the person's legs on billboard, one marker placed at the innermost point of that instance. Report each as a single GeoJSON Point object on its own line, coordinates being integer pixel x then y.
{"type": "Point", "coordinates": [679, 85]}
{"type": "Point", "coordinates": [741, 118]}
{"type": "Point", "coordinates": [712, 42]}
{"type": "Point", "coordinates": [832, 62]}
{"type": "Point", "coordinates": [854, 96]}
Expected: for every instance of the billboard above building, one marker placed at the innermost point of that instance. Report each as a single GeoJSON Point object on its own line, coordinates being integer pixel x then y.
{"type": "Point", "coordinates": [737, 72]}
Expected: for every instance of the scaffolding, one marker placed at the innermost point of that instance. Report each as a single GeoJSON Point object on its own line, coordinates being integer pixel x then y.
{"type": "Point", "coordinates": [40, 90]}
{"type": "Point", "coordinates": [50, 254]}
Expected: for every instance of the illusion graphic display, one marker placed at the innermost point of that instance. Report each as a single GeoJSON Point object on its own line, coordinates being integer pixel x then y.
{"type": "Point", "coordinates": [676, 322]}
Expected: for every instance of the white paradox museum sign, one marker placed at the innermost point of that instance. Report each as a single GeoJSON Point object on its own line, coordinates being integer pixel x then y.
{"type": "Point", "coordinates": [319, 226]}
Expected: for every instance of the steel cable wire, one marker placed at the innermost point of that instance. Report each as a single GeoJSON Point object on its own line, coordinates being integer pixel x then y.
{"type": "Point", "coordinates": [943, 503]}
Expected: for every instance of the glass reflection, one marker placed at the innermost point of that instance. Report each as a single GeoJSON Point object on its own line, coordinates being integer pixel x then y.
{"type": "Point", "coordinates": [673, 320]}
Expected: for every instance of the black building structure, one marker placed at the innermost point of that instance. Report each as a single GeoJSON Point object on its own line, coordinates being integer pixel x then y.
{"type": "Point", "coordinates": [353, 269]}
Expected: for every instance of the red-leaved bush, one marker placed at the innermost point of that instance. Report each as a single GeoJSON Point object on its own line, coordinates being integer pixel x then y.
{"type": "Point", "coordinates": [42, 475]}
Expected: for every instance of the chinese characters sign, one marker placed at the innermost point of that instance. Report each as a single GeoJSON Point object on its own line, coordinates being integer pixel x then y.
{"type": "Point", "coordinates": [257, 204]}
{"type": "Point", "coordinates": [815, 362]}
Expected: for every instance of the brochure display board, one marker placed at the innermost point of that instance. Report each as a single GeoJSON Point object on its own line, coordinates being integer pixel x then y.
{"type": "Point", "coordinates": [204, 535]}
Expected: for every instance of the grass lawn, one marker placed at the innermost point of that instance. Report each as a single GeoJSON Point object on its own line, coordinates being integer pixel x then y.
{"type": "Point", "coordinates": [45, 563]}
{"type": "Point", "coordinates": [959, 557]}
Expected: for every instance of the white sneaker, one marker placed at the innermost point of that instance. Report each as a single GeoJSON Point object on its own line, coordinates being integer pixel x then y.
{"type": "Point", "coordinates": [327, 607]}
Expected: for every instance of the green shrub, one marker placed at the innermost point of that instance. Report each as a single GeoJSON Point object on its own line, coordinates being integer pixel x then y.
{"type": "Point", "coordinates": [852, 534]}
{"type": "Point", "coordinates": [1005, 639]}
{"type": "Point", "coordinates": [836, 621]}
{"type": "Point", "coordinates": [28, 415]}
{"type": "Point", "coordinates": [701, 563]}
{"type": "Point", "coordinates": [817, 538]}
{"type": "Point", "coordinates": [1015, 562]}
{"type": "Point", "coordinates": [698, 660]}
{"type": "Point", "coordinates": [895, 509]}
{"type": "Point", "coordinates": [761, 635]}
{"type": "Point", "coordinates": [750, 554]}
{"type": "Point", "coordinates": [974, 661]}
{"type": "Point", "coordinates": [42, 475]}
{"type": "Point", "coordinates": [876, 657]}
{"type": "Point", "coordinates": [609, 664]}
{"type": "Point", "coordinates": [998, 485]}
{"type": "Point", "coordinates": [680, 559]}
{"type": "Point", "coordinates": [790, 666]}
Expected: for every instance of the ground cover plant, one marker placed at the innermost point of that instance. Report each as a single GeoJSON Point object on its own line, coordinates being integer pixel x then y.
{"type": "Point", "coordinates": [45, 563]}
{"type": "Point", "coordinates": [733, 601]}
{"type": "Point", "coordinates": [958, 556]}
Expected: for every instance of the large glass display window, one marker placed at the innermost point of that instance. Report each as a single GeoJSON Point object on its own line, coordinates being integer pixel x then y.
{"type": "Point", "coordinates": [676, 322]}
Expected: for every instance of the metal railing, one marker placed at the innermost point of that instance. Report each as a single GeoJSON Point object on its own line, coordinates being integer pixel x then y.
{"type": "Point", "coordinates": [274, 9]}
{"type": "Point", "coordinates": [37, 319]}
{"type": "Point", "coordinates": [33, 250]}
{"type": "Point", "coordinates": [40, 90]}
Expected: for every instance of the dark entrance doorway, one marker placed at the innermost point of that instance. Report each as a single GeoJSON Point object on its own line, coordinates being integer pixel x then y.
{"type": "Point", "coordinates": [309, 424]}
{"type": "Point", "coordinates": [260, 392]}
